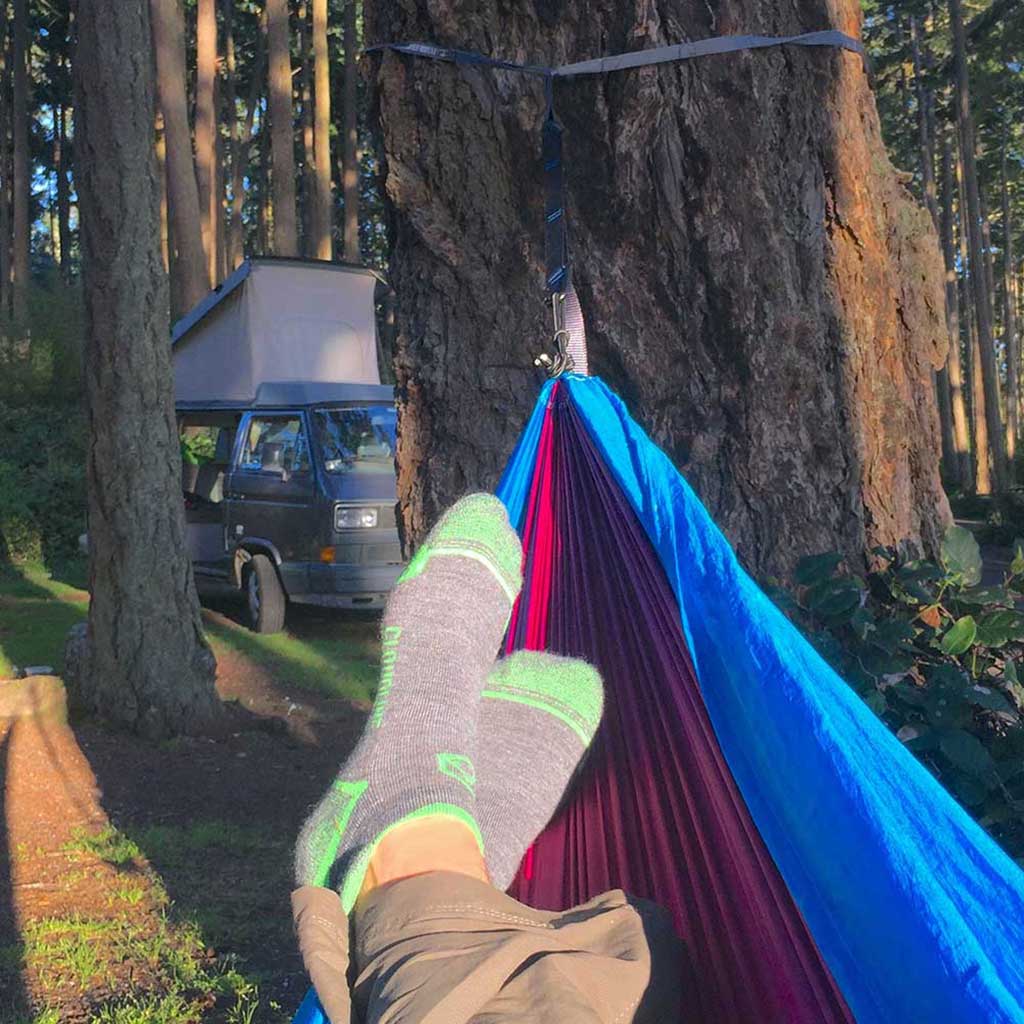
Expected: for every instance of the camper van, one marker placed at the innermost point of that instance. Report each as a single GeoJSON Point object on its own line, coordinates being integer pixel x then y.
{"type": "Point", "coordinates": [288, 439]}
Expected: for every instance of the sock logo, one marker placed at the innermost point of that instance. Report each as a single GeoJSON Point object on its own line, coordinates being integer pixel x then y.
{"type": "Point", "coordinates": [460, 768]}
{"type": "Point", "coordinates": [388, 656]}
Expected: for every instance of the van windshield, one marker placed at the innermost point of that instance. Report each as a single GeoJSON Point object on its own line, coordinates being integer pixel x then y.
{"type": "Point", "coordinates": [358, 440]}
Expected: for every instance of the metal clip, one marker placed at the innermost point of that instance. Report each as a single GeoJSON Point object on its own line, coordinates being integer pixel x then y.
{"type": "Point", "coordinates": [562, 361]}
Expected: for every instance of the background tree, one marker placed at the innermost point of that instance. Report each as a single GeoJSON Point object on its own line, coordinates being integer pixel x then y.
{"type": "Point", "coordinates": [188, 259]}
{"type": "Point", "coordinates": [206, 130]}
{"type": "Point", "coordinates": [797, 380]}
{"type": "Point", "coordinates": [322, 246]}
{"type": "Point", "coordinates": [350, 138]}
{"type": "Point", "coordinates": [20, 179]}
{"type": "Point", "coordinates": [146, 664]}
{"type": "Point", "coordinates": [282, 129]}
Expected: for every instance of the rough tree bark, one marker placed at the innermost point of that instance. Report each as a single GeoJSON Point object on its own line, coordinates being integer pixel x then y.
{"type": "Point", "coordinates": [983, 317]}
{"type": "Point", "coordinates": [350, 137]}
{"type": "Point", "coordinates": [206, 128]}
{"type": "Point", "coordinates": [286, 234]}
{"type": "Point", "coordinates": [307, 201]}
{"type": "Point", "coordinates": [955, 369]}
{"type": "Point", "coordinates": [144, 663]}
{"type": "Point", "coordinates": [188, 263]}
{"type": "Point", "coordinates": [322, 220]}
{"type": "Point", "coordinates": [758, 284]}
{"type": "Point", "coordinates": [20, 181]}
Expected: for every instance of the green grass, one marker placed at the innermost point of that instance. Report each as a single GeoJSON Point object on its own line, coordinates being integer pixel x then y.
{"type": "Point", "coordinates": [36, 612]}
{"type": "Point", "coordinates": [332, 656]}
{"type": "Point", "coordinates": [108, 844]}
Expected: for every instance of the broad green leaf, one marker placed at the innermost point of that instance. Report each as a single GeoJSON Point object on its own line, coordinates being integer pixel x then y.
{"type": "Point", "coordinates": [876, 701]}
{"type": "Point", "coordinates": [959, 637]}
{"type": "Point", "coordinates": [969, 791]}
{"type": "Point", "coordinates": [985, 595]}
{"type": "Point", "coordinates": [968, 754]}
{"type": "Point", "coordinates": [996, 628]}
{"type": "Point", "coordinates": [961, 555]}
{"type": "Point", "coordinates": [1010, 670]}
{"type": "Point", "coordinates": [1017, 565]}
{"type": "Point", "coordinates": [984, 697]}
{"type": "Point", "coordinates": [892, 634]}
{"type": "Point", "coordinates": [816, 568]}
{"type": "Point", "coordinates": [919, 571]}
{"type": "Point", "coordinates": [834, 598]}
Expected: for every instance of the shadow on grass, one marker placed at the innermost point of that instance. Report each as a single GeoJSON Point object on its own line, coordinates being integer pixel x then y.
{"type": "Point", "coordinates": [14, 1005]}
{"type": "Point", "coordinates": [36, 612]}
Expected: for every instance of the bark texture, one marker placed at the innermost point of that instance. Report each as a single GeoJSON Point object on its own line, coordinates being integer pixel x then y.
{"type": "Point", "coordinates": [147, 665]}
{"type": "Point", "coordinates": [980, 271]}
{"type": "Point", "coordinates": [322, 236]}
{"type": "Point", "coordinates": [349, 137]}
{"type": "Point", "coordinates": [206, 128]}
{"type": "Point", "coordinates": [286, 232]}
{"type": "Point", "coordinates": [758, 285]}
{"type": "Point", "coordinates": [188, 263]}
{"type": "Point", "coordinates": [20, 183]}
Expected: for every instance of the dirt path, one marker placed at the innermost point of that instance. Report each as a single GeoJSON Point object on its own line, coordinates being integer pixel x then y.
{"type": "Point", "coordinates": [156, 876]}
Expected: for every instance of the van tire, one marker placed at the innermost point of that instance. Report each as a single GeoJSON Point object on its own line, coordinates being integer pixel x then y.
{"type": "Point", "coordinates": [264, 595]}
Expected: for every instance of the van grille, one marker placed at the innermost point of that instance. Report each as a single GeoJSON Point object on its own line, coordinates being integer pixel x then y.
{"type": "Point", "coordinates": [389, 553]}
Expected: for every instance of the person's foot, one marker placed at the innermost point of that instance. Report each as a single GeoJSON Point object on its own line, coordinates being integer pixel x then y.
{"type": "Point", "coordinates": [538, 716]}
{"type": "Point", "coordinates": [417, 758]}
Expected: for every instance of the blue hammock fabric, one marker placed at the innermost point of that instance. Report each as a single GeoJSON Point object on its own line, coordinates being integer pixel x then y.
{"type": "Point", "coordinates": [915, 909]}
{"type": "Point", "coordinates": [917, 913]}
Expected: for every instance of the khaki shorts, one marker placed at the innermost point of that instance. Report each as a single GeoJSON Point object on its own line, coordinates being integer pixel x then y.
{"type": "Point", "coordinates": [443, 948]}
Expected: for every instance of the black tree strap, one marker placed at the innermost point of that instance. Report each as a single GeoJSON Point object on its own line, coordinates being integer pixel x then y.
{"type": "Point", "coordinates": [555, 234]}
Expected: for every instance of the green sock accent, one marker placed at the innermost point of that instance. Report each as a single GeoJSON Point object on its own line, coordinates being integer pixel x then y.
{"type": "Point", "coordinates": [570, 690]}
{"type": "Point", "coordinates": [472, 530]}
{"type": "Point", "coordinates": [353, 880]}
{"type": "Point", "coordinates": [458, 767]}
{"type": "Point", "coordinates": [332, 829]}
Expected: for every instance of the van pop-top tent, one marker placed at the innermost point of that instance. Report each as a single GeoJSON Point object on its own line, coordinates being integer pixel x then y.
{"type": "Point", "coordinates": [816, 871]}
{"type": "Point", "coordinates": [277, 320]}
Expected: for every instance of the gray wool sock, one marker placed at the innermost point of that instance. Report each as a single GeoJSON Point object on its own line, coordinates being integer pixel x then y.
{"type": "Point", "coordinates": [538, 715]}
{"type": "Point", "coordinates": [441, 628]}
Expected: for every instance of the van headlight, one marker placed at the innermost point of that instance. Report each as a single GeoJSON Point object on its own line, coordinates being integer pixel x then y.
{"type": "Point", "coordinates": [354, 517]}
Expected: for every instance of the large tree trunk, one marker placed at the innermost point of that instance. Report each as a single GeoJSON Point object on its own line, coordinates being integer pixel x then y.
{"type": "Point", "coordinates": [206, 128]}
{"type": "Point", "coordinates": [307, 201]}
{"type": "Point", "coordinates": [350, 136]}
{"type": "Point", "coordinates": [21, 184]}
{"type": "Point", "coordinates": [146, 664]}
{"type": "Point", "coordinates": [286, 235]}
{"type": "Point", "coordinates": [188, 263]}
{"type": "Point", "coordinates": [757, 283]}
{"type": "Point", "coordinates": [322, 247]}
{"type": "Point", "coordinates": [983, 318]}
{"type": "Point", "coordinates": [962, 466]}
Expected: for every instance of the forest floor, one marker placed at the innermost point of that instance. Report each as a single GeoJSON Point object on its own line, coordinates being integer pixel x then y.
{"type": "Point", "coordinates": [146, 883]}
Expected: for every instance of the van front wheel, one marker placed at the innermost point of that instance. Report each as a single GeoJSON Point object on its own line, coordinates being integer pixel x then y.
{"type": "Point", "coordinates": [264, 595]}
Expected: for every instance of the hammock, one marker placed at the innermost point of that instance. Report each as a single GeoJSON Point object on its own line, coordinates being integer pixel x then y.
{"type": "Point", "coordinates": [816, 871]}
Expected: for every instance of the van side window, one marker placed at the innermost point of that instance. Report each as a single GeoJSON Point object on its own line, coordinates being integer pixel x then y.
{"type": "Point", "coordinates": [275, 444]}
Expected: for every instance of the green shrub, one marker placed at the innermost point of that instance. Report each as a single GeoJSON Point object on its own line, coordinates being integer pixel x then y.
{"type": "Point", "coordinates": [938, 658]}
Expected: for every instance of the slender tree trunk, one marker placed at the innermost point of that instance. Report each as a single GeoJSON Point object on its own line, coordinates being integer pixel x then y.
{"type": "Point", "coordinates": [1009, 317]}
{"type": "Point", "coordinates": [350, 138]}
{"type": "Point", "coordinates": [161, 167]}
{"type": "Point", "coordinates": [954, 369]}
{"type": "Point", "coordinates": [812, 363]}
{"type": "Point", "coordinates": [977, 253]}
{"type": "Point", "coordinates": [244, 145]}
{"type": "Point", "coordinates": [308, 203]}
{"type": "Point", "coordinates": [323, 248]}
{"type": "Point", "coordinates": [219, 181]}
{"type": "Point", "coordinates": [286, 238]}
{"type": "Point", "coordinates": [925, 143]}
{"type": "Point", "coordinates": [265, 209]}
{"type": "Point", "coordinates": [63, 193]}
{"type": "Point", "coordinates": [234, 227]}
{"type": "Point", "coordinates": [188, 264]}
{"type": "Point", "coordinates": [206, 127]}
{"type": "Point", "coordinates": [144, 662]}
{"type": "Point", "coordinates": [975, 388]}
{"type": "Point", "coordinates": [21, 184]}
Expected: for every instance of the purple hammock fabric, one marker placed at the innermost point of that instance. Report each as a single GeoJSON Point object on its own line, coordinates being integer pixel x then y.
{"type": "Point", "coordinates": [690, 843]}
